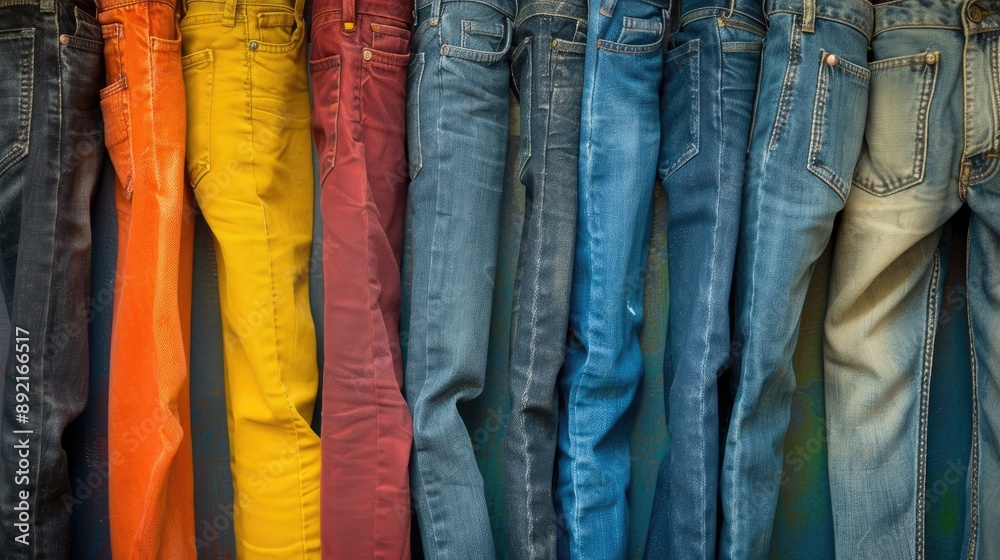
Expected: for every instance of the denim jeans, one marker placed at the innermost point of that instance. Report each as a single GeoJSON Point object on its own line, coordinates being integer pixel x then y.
{"type": "Point", "coordinates": [51, 151]}
{"type": "Point", "coordinates": [457, 108]}
{"type": "Point", "coordinates": [617, 172]}
{"type": "Point", "coordinates": [805, 141]}
{"type": "Point", "coordinates": [932, 144]}
{"type": "Point", "coordinates": [550, 38]}
{"type": "Point", "coordinates": [361, 52]}
{"type": "Point", "coordinates": [711, 77]}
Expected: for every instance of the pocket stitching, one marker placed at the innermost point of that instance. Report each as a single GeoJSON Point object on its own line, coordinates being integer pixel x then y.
{"type": "Point", "coordinates": [332, 63]}
{"type": "Point", "coordinates": [22, 143]}
{"type": "Point", "coordinates": [109, 95]}
{"type": "Point", "coordinates": [694, 120]}
{"type": "Point", "coordinates": [415, 161]}
{"type": "Point", "coordinates": [927, 88]}
{"type": "Point", "coordinates": [190, 62]}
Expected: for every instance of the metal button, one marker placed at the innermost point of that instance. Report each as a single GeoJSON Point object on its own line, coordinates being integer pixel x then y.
{"type": "Point", "coordinates": [254, 45]}
{"type": "Point", "coordinates": [931, 58]}
{"type": "Point", "coordinates": [976, 13]}
{"type": "Point", "coordinates": [348, 26]}
{"type": "Point", "coordinates": [64, 39]}
{"type": "Point", "coordinates": [831, 59]}
{"type": "Point", "coordinates": [366, 54]}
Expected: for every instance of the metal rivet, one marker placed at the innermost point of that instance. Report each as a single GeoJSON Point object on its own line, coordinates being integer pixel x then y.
{"type": "Point", "coordinates": [831, 59]}
{"type": "Point", "coordinates": [254, 45]}
{"type": "Point", "coordinates": [366, 54]}
{"type": "Point", "coordinates": [555, 42]}
{"type": "Point", "coordinates": [976, 13]}
{"type": "Point", "coordinates": [348, 26]}
{"type": "Point", "coordinates": [931, 58]}
{"type": "Point", "coordinates": [64, 39]}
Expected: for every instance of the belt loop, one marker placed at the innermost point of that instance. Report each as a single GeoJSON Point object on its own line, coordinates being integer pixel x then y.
{"type": "Point", "coordinates": [229, 14]}
{"type": "Point", "coordinates": [808, 16]}
{"type": "Point", "coordinates": [350, 15]}
{"type": "Point", "coordinates": [47, 6]}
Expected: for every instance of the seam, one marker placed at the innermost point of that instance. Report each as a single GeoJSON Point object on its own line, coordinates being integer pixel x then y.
{"type": "Point", "coordinates": [925, 388]}
{"type": "Point", "coordinates": [974, 460]}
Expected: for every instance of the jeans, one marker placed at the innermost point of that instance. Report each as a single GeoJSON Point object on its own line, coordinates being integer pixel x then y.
{"type": "Point", "coordinates": [932, 144]}
{"type": "Point", "coordinates": [457, 108]}
{"type": "Point", "coordinates": [617, 172]}
{"type": "Point", "coordinates": [249, 160]}
{"type": "Point", "coordinates": [51, 151]}
{"type": "Point", "coordinates": [151, 491]}
{"type": "Point", "coordinates": [548, 70]}
{"type": "Point", "coordinates": [361, 51]}
{"type": "Point", "coordinates": [805, 141]}
{"type": "Point", "coordinates": [711, 77]}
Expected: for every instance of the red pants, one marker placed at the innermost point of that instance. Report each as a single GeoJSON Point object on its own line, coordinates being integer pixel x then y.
{"type": "Point", "coordinates": [359, 68]}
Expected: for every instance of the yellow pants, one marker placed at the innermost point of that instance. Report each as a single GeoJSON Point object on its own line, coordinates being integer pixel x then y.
{"type": "Point", "coordinates": [249, 159]}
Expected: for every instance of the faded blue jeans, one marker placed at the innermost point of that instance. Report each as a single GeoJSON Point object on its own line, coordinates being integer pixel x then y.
{"type": "Point", "coordinates": [457, 109]}
{"type": "Point", "coordinates": [620, 127]}
{"type": "Point", "coordinates": [808, 127]}
{"type": "Point", "coordinates": [550, 38]}
{"type": "Point", "coordinates": [711, 78]}
{"type": "Point", "coordinates": [932, 145]}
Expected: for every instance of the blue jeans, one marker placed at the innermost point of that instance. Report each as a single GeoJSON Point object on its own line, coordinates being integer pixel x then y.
{"type": "Point", "coordinates": [805, 141]}
{"type": "Point", "coordinates": [457, 109]}
{"type": "Point", "coordinates": [932, 145]}
{"type": "Point", "coordinates": [711, 79]}
{"type": "Point", "coordinates": [550, 38]}
{"type": "Point", "coordinates": [617, 171]}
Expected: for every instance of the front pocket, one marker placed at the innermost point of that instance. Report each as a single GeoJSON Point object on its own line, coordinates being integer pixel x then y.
{"type": "Point", "coordinates": [835, 139]}
{"type": "Point", "coordinates": [521, 65]}
{"type": "Point", "coordinates": [326, 108]}
{"type": "Point", "coordinates": [199, 78]}
{"type": "Point", "coordinates": [413, 82]}
{"type": "Point", "coordinates": [680, 141]}
{"type": "Point", "coordinates": [17, 50]}
{"type": "Point", "coordinates": [894, 153]}
{"type": "Point", "coordinates": [118, 131]}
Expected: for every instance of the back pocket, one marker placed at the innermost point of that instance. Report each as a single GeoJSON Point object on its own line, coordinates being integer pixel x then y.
{"type": "Point", "coordinates": [835, 139]}
{"type": "Point", "coordinates": [680, 127]}
{"type": "Point", "coordinates": [17, 50]}
{"type": "Point", "coordinates": [894, 154]}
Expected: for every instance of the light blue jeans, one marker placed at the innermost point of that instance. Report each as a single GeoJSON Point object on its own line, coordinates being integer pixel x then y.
{"type": "Point", "coordinates": [620, 127]}
{"type": "Point", "coordinates": [932, 144]}
{"type": "Point", "coordinates": [807, 133]}
{"type": "Point", "coordinates": [457, 112]}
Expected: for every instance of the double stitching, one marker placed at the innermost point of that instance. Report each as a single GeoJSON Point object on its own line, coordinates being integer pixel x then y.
{"type": "Point", "coordinates": [787, 85]}
{"type": "Point", "coordinates": [22, 141]}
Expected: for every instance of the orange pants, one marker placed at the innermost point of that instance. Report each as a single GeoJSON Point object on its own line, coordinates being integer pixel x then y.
{"type": "Point", "coordinates": [149, 445]}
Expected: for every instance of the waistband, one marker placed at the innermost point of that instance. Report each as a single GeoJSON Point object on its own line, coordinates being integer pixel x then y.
{"type": "Point", "coordinates": [854, 13]}
{"type": "Point", "coordinates": [44, 6]}
{"type": "Point", "coordinates": [976, 16]}
{"type": "Point", "coordinates": [105, 5]}
{"type": "Point", "coordinates": [693, 10]}
{"type": "Point", "coordinates": [229, 6]}
{"type": "Point", "coordinates": [507, 7]}
{"type": "Point", "coordinates": [576, 9]}
{"type": "Point", "coordinates": [396, 9]}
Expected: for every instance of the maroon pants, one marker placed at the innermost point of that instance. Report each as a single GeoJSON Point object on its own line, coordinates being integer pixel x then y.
{"type": "Point", "coordinates": [359, 64]}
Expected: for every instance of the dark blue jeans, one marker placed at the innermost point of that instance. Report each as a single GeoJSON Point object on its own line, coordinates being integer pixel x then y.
{"type": "Point", "coordinates": [51, 151]}
{"type": "Point", "coordinates": [457, 110]}
{"type": "Point", "coordinates": [710, 81]}
{"type": "Point", "coordinates": [550, 38]}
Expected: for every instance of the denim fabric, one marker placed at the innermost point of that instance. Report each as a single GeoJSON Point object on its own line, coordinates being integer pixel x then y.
{"type": "Point", "coordinates": [548, 70]}
{"type": "Point", "coordinates": [808, 126]}
{"type": "Point", "coordinates": [710, 80]}
{"type": "Point", "coordinates": [932, 145]}
{"type": "Point", "coordinates": [603, 369]}
{"type": "Point", "coordinates": [51, 151]}
{"type": "Point", "coordinates": [457, 107]}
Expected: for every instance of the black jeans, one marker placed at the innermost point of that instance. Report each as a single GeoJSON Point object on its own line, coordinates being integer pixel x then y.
{"type": "Point", "coordinates": [547, 64]}
{"type": "Point", "coordinates": [51, 149]}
